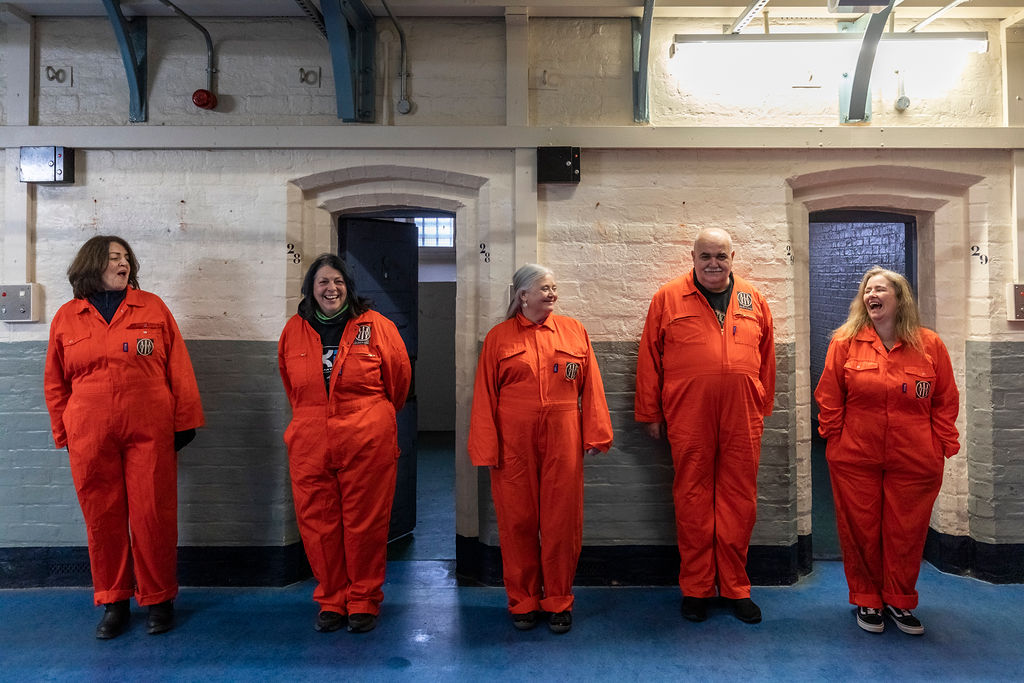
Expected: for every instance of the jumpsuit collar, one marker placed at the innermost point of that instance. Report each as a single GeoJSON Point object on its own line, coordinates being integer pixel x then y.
{"type": "Point", "coordinates": [869, 335]}
{"type": "Point", "coordinates": [526, 322]}
{"type": "Point", "coordinates": [130, 299]}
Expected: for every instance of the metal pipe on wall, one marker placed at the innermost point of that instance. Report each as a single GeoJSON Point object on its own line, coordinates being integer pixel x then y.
{"type": "Point", "coordinates": [404, 106]}
{"type": "Point", "coordinates": [202, 99]}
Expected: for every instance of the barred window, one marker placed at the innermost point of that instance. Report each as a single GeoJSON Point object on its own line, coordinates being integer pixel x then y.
{"type": "Point", "coordinates": [436, 231]}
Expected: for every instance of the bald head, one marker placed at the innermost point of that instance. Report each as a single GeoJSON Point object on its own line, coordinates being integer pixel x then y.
{"type": "Point", "coordinates": [712, 258]}
{"type": "Point", "coordinates": [716, 236]}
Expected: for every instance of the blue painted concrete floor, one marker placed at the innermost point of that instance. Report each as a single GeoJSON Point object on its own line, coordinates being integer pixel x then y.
{"type": "Point", "coordinates": [433, 630]}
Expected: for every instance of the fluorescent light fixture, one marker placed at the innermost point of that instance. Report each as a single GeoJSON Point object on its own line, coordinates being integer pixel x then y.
{"type": "Point", "coordinates": [938, 13]}
{"type": "Point", "coordinates": [977, 41]}
{"type": "Point", "coordinates": [748, 15]}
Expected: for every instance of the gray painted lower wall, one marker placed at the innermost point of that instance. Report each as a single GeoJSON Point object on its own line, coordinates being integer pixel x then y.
{"type": "Point", "coordinates": [233, 483]}
{"type": "Point", "coordinates": [234, 488]}
{"type": "Point", "coordinates": [628, 491]}
{"type": "Point", "coordinates": [995, 441]}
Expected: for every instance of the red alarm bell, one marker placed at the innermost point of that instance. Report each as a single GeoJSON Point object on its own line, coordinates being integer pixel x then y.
{"type": "Point", "coordinates": [204, 99]}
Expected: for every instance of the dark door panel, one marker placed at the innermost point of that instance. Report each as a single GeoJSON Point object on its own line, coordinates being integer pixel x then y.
{"type": "Point", "coordinates": [383, 258]}
{"type": "Point", "coordinates": [843, 245]}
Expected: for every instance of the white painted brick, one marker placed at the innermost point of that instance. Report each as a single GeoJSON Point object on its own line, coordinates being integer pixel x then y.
{"type": "Point", "coordinates": [211, 226]}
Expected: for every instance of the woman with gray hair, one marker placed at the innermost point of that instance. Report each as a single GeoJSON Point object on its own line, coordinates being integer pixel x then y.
{"type": "Point", "coordinates": [538, 408]}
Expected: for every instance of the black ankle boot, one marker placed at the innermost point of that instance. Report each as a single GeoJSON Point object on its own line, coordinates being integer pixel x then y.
{"type": "Point", "coordinates": [161, 618]}
{"type": "Point", "coordinates": [115, 620]}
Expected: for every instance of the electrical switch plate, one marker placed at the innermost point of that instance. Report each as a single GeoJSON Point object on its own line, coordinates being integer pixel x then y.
{"type": "Point", "coordinates": [1014, 302]}
{"type": "Point", "coordinates": [19, 303]}
{"type": "Point", "coordinates": [47, 165]}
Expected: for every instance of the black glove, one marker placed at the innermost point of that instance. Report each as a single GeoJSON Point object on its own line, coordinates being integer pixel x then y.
{"type": "Point", "coordinates": [184, 438]}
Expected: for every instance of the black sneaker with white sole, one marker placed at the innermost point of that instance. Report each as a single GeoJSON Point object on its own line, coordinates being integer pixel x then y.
{"type": "Point", "coordinates": [870, 619]}
{"type": "Point", "coordinates": [905, 620]}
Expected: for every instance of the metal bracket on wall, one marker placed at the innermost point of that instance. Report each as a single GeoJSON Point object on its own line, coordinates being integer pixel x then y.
{"type": "Point", "coordinates": [857, 107]}
{"type": "Point", "coordinates": [641, 58]}
{"type": "Point", "coordinates": [351, 34]}
{"type": "Point", "coordinates": [131, 39]}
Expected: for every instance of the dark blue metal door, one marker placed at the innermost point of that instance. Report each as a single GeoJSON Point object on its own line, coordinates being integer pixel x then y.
{"type": "Point", "coordinates": [383, 257]}
{"type": "Point", "coordinates": [843, 245]}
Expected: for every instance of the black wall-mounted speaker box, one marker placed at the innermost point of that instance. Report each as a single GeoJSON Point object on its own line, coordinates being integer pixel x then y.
{"type": "Point", "coordinates": [47, 165]}
{"type": "Point", "coordinates": [558, 164]}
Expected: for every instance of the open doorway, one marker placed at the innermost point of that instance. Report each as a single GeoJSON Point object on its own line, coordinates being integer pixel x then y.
{"type": "Point", "coordinates": [843, 245]}
{"type": "Point", "coordinates": [426, 484]}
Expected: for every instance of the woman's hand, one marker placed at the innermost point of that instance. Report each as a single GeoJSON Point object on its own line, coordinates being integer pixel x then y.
{"type": "Point", "coordinates": [591, 451]}
{"type": "Point", "coordinates": [183, 438]}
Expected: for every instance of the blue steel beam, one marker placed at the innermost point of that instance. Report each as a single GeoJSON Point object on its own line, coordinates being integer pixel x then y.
{"type": "Point", "coordinates": [351, 34]}
{"type": "Point", "coordinates": [641, 59]}
{"type": "Point", "coordinates": [859, 92]}
{"type": "Point", "coordinates": [131, 39]}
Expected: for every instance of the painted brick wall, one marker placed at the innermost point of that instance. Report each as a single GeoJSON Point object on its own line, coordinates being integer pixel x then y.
{"type": "Point", "coordinates": [581, 72]}
{"type": "Point", "coordinates": [233, 483]}
{"type": "Point", "coordinates": [211, 226]}
{"type": "Point", "coordinates": [258, 80]}
{"type": "Point", "coordinates": [995, 441]}
{"type": "Point", "coordinates": [3, 73]}
{"type": "Point", "coordinates": [38, 505]}
{"type": "Point", "coordinates": [628, 491]}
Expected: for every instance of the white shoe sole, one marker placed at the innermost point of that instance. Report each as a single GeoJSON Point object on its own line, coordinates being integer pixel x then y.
{"type": "Point", "coordinates": [910, 630]}
{"type": "Point", "coordinates": [870, 628]}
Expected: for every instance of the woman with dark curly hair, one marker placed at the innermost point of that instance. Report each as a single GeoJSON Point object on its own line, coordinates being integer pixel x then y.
{"type": "Point", "coordinates": [347, 373]}
{"type": "Point", "coordinates": [123, 398]}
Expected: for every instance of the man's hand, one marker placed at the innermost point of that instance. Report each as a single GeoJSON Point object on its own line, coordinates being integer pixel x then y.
{"type": "Point", "coordinates": [655, 430]}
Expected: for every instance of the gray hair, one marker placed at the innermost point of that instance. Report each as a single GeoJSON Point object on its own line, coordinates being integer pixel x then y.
{"type": "Point", "coordinates": [526, 277]}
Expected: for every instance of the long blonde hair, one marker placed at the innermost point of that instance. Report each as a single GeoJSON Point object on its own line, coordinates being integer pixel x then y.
{"type": "Point", "coordinates": [908, 321]}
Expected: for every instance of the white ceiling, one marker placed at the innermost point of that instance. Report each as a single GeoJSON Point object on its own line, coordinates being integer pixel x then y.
{"type": "Point", "coordinates": [910, 9]}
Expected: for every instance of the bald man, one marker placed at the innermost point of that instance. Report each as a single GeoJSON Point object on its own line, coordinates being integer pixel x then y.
{"type": "Point", "coordinates": [706, 380]}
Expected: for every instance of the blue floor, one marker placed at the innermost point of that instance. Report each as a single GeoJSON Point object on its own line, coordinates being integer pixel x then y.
{"type": "Point", "coordinates": [433, 630]}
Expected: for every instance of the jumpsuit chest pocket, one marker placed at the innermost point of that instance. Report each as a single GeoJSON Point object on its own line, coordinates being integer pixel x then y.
{"type": "Point", "coordinates": [920, 381]}
{"type": "Point", "coordinates": [145, 341]}
{"type": "Point", "coordinates": [745, 329]}
{"type": "Point", "coordinates": [568, 364]}
{"type": "Point", "coordinates": [364, 358]}
{"type": "Point", "coordinates": [687, 328]}
{"type": "Point", "coordinates": [297, 365]}
{"type": "Point", "coordinates": [77, 353]}
{"type": "Point", "coordinates": [512, 363]}
{"type": "Point", "coordinates": [864, 376]}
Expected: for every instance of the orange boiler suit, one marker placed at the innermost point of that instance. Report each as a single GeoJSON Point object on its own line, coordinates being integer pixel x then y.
{"type": "Point", "coordinates": [890, 420]}
{"type": "Point", "coordinates": [538, 404]}
{"type": "Point", "coordinates": [712, 385]}
{"type": "Point", "coordinates": [343, 452]}
{"type": "Point", "coordinates": [116, 394]}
